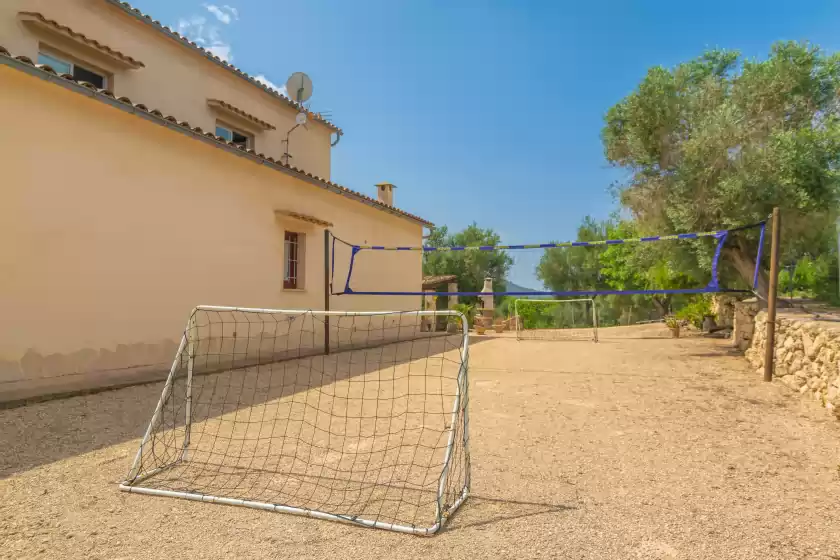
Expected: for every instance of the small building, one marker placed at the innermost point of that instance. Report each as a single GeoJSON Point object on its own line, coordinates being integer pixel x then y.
{"type": "Point", "coordinates": [431, 285]}
{"type": "Point", "coordinates": [143, 176]}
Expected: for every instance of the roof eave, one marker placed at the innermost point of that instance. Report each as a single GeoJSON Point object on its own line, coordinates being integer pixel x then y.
{"type": "Point", "coordinates": [184, 128]}
{"type": "Point", "coordinates": [145, 19]}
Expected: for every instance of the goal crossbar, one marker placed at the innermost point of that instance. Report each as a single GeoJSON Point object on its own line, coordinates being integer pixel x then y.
{"type": "Point", "coordinates": [550, 331]}
{"type": "Point", "coordinates": [383, 446]}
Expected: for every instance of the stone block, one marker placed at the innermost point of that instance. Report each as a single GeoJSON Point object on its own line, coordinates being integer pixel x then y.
{"type": "Point", "coordinates": [795, 381]}
{"type": "Point", "coordinates": [808, 344]}
{"type": "Point", "coordinates": [819, 343]}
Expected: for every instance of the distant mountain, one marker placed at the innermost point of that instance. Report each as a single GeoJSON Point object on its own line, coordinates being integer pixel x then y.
{"type": "Point", "coordinates": [513, 287]}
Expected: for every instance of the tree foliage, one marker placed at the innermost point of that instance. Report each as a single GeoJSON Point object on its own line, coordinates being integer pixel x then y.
{"type": "Point", "coordinates": [542, 314]}
{"type": "Point", "coordinates": [470, 267]}
{"type": "Point", "coordinates": [619, 267]}
{"type": "Point", "coordinates": [814, 277]}
{"type": "Point", "coordinates": [719, 141]}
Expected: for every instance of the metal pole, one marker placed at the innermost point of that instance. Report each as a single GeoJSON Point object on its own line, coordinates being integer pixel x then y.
{"type": "Point", "coordinates": [770, 343]}
{"type": "Point", "coordinates": [326, 290]}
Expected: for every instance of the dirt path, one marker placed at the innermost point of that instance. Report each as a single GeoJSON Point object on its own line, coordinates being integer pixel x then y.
{"type": "Point", "coordinates": [635, 447]}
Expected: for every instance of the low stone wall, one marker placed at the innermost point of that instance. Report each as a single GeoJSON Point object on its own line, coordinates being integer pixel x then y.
{"type": "Point", "coordinates": [807, 355]}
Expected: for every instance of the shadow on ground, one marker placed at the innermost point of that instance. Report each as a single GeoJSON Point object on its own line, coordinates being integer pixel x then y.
{"type": "Point", "coordinates": [50, 431]}
{"type": "Point", "coordinates": [480, 511]}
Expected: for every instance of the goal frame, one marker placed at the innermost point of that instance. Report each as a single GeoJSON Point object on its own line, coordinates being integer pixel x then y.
{"type": "Point", "coordinates": [519, 326]}
{"type": "Point", "coordinates": [441, 514]}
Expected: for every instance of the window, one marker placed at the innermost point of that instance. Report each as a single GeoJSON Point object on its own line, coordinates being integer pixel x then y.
{"type": "Point", "coordinates": [293, 272]}
{"type": "Point", "coordinates": [235, 136]}
{"type": "Point", "coordinates": [78, 72]}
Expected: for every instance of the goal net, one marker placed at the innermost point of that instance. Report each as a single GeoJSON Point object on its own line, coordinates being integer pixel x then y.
{"type": "Point", "coordinates": [350, 416]}
{"type": "Point", "coordinates": [556, 319]}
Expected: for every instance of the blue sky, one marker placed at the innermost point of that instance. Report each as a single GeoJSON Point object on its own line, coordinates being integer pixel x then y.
{"type": "Point", "coordinates": [483, 111]}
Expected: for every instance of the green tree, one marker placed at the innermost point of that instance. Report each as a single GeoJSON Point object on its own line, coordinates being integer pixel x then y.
{"type": "Point", "coordinates": [719, 141]}
{"type": "Point", "coordinates": [614, 267]}
{"type": "Point", "coordinates": [470, 267]}
{"type": "Point", "coordinates": [575, 269]}
{"type": "Point", "coordinates": [811, 277]}
{"type": "Point", "coordinates": [630, 266]}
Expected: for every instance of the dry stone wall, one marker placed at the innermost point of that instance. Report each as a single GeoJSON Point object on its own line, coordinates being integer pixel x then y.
{"type": "Point", "coordinates": [807, 354]}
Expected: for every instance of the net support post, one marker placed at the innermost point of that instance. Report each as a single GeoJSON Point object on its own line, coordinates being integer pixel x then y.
{"type": "Point", "coordinates": [167, 388]}
{"type": "Point", "coordinates": [188, 398]}
{"type": "Point", "coordinates": [327, 290]}
{"type": "Point", "coordinates": [770, 342]}
{"type": "Point", "coordinates": [460, 405]}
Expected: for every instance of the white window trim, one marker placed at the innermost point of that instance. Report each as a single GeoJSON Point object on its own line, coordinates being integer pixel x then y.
{"type": "Point", "coordinates": [301, 261]}
{"type": "Point", "coordinates": [69, 61]}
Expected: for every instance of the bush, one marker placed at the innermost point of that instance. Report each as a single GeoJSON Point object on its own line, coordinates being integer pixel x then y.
{"type": "Point", "coordinates": [696, 311]}
{"type": "Point", "coordinates": [467, 309]}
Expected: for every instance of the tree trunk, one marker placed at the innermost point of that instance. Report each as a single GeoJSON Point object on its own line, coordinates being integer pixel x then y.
{"type": "Point", "coordinates": [744, 263]}
{"type": "Point", "coordinates": [661, 307]}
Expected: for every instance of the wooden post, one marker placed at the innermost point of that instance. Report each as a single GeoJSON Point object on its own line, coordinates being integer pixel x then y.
{"type": "Point", "coordinates": [770, 342]}
{"type": "Point", "coordinates": [326, 290]}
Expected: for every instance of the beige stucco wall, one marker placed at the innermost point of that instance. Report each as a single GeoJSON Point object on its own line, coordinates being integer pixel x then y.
{"type": "Point", "coordinates": [176, 80]}
{"type": "Point", "coordinates": [113, 227]}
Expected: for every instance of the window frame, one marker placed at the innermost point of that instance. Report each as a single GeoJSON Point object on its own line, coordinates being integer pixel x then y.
{"type": "Point", "coordinates": [45, 51]}
{"type": "Point", "coordinates": [294, 251]}
{"type": "Point", "coordinates": [249, 137]}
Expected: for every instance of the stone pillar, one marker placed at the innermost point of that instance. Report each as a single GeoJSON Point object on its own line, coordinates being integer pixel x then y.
{"type": "Point", "coordinates": [427, 324]}
{"type": "Point", "coordinates": [744, 323]}
{"type": "Point", "coordinates": [723, 307]}
{"type": "Point", "coordinates": [453, 300]}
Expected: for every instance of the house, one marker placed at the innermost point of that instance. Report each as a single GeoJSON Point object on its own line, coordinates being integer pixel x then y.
{"type": "Point", "coordinates": [143, 176]}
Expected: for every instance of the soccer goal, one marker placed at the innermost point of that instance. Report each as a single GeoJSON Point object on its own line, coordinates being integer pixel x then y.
{"type": "Point", "coordinates": [556, 319]}
{"type": "Point", "coordinates": [370, 428]}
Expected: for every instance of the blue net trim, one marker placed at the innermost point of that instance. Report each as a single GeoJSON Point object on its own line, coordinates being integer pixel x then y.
{"type": "Point", "coordinates": [598, 243]}
{"type": "Point", "coordinates": [706, 290]}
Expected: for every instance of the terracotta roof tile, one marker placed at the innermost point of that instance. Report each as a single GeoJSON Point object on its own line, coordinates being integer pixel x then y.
{"type": "Point", "coordinates": [81, 37]}
{"type": "Point", "coordinates": [435, 281]}
{"type": "Point", "coordinates": [131, 10]}
{"type": "Point", "coordinates": [127, 102]}
{"type": "Point", "coordinates": [241, 113]}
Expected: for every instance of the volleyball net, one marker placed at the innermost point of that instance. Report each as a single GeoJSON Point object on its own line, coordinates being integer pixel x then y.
{"type": "Point", "coordinates": [377, 270]}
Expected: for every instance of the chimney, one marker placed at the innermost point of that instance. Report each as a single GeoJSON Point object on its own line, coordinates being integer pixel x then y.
{"type": "Point", "coordinates": [385, 193]}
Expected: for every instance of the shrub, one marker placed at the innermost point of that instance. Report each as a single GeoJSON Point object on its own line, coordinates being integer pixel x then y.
{"type": "Point", "coordinates": [696, 311]}
{"type": "Point", "coordinates": [467, 309]}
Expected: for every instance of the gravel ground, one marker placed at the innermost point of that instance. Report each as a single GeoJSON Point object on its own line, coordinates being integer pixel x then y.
{"type": "Point", "coordinates": [635, 447]}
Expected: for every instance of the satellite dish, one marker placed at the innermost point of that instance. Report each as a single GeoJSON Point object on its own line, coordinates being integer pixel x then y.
{"type": "Point", "coordinates": [300, 119]}
{"type": "Point", "coordinates": [299, 87]}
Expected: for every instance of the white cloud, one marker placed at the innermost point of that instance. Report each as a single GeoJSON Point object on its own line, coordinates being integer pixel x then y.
{"type": "Point", "coordinates": [224, 14]}
{"type": "Point", "coordinates": [207, 35]}
{"type": "Point", "coordinates": [190, 24]}
{"type": "Point", "coordinates": [266, 82]}
{"type": "Point", "coordinates": [222, 51]}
